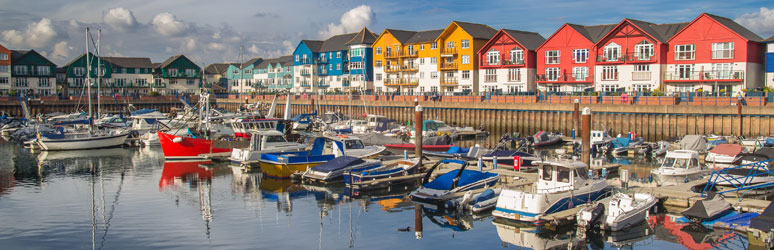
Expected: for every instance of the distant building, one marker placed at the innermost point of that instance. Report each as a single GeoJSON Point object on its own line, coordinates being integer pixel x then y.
{"type": "Point", "coordinates": [361, 68]}
{"type": "Point", "coordinates": [769, 74]}
{"type": "Point", "coordinates": [32, 73]}
{"type": "Point", "coordinates": [274, 73]}
{"type": "Point", "coordinates": [306, 57]}
{"type": "Point", "coordinates": [176, 75]}
{"type": "Point", "coordinates": [215, 74]}
{"type": "Point", "coordinates": [507, 63]}
{"type": "Point", "coordinates": [5, 70]}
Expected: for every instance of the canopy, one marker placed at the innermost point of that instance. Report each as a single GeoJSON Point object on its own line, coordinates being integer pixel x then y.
{"type": "Point", "coordinates": [764, 221]}
{"type": "Point", "coordinates": [338, 163]}
{"type": "Point", "coordinates": [728, 149]}
{"type": "Point", "coordinates": [708, 208]}
{"type": "Point", "coordinates": [444, 139]}
{"type": "Point", "coordinates": [693, 142]}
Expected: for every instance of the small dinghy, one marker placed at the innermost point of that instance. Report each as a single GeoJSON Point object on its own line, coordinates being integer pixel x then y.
{"type": "Point", "coordinates": [545, 139]}
{"type": "Point", "coordinates": [446, 186]}
{"type": "Point", "coordinates": [334, 169]}
{"type": "Point", "coordinates": [354, 177]}
{"type": "Point", "coordinates": [709, 208]}
{"type": "Point", "coordinates": [475, 203]}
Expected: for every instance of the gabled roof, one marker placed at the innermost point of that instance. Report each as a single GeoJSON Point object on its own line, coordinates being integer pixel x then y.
{"type": "Point", "coordinates": [424, 36]}
{"type": "Point", "coordinates": [596, 32]}
{"type": "Point", "coordinates": [365, 36]}
{"type": "Point", "coordinates": [739, 29]}
{"type": "Point", "coordinates": [286, 60]}
{"type": "Point", "coordinates": [251, 62]}
{"type": "Point", "coordinates": [530, 40]}
{"type": "Point", "coordinates": [216, 68]}
{"type": "Point", "coordinates": [668, 30]}
{"type": "Point", "coordinates": [155, 65]}
{"type": "Point", "coordinates": [659, 32]}
{"type": "Point", "coordinates": [337, 42]}
{"type": "Point", "coordinates": [769, 40]}
{"type": "Point", "coordinates": [401, 35]}
{"type": "Point", "coordinates": [17, 55]}
{"type": "Point", "coordinates": [476, 30]}
{"type": "Point", "coordinates": [129, 62]}
{"type": "Point", "coordinates": [313, 45]}
{"type": "Point", "coordinates": [169, 60]}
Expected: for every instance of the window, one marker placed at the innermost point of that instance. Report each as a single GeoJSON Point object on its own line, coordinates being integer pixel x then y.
{"type": "Point", "coordinates": [493, 57]}
{"type": "Point", "coordinates": [433, 60]}
{"type": "Point", "coordinates": [4, 68]}
{"type": "Point", "coordinates": [641, 72]}
{"type": "Point", "coordinates": [580, 73]}
{"type": "Point", "coordinates": [421, 75]}
{"type": "Point", "coordinates": [434, 75]}
{"type": "Point", "coordinates": [466, 59]}
{"type": "Point", "coordinates": [684, 71]}
{"type": "Point", "coordinates": [465, 44]}
{"type": "Point", "coordinates": [19, 70]}
{"type": "Point", "coordinates": [641, 68]}
{"type": "Point", "coordinates": [79, 71]}
{"type": "Point", "coordinates": [513, 75]}
{"type": "Point", "coordinates": [378, 63]}
{"type": "Point", "coordinates": [552, 57]}
{"type": "Point", "coordinates": [296, 58]}
{"type": "Point", "coordinates": [721, 71]}
{"type": "Point", "coordinates": [434, 45]}
{"type": "Point", "coordinates": [20, 82]}
{"type": "Point", "coordinates": [3, 56]}
{"type": "Point", "coordinates": [517, 56]}
{"type": "Point", "coordinates": [421, 61]}
{"type": "Point", "coordinates": [723, 50]}
{"type": "Point", "coordinates": [552, 74]}
{"type": "Point", "coordinates": [466, 74]}
{"type": "Point", "coordinates": [685, 52]}
{"type": "Point", "coordinates": [580, 55]}
{"type": "Point", "coordinates": [547, 172]}
{"type": "Point", "coordinates": [491, 75]}
{"type": "Point", "coordinates": [190, 82]}
{"type": "Point", "coordinates": [450, 44]}
{"type": "Point", "coordinates": [641, 87]}
{"type": "Point", "coordinates": [643, 50]}
{"type": "Point", "coordinates": [609, 87]}
{"type": "Point", "coordinates": [612, 52]}
{"type": "Point", "coordinates": [609, 73]}
{"type": "Point", "coordinates": [338, 54]}
{"type": "Point", "coordinates": [3, 80]}
{"type": "Point", "coordinates": [338, 66]}
{"type": "Point", "coordinates": [421, 47]}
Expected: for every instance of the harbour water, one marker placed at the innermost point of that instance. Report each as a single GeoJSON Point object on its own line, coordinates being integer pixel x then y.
{"type": "Point", "coordinates": [128, 198]}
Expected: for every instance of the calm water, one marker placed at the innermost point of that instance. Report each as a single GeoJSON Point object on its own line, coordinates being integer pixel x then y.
{"type": "Point", "coordinates": [129, 198]}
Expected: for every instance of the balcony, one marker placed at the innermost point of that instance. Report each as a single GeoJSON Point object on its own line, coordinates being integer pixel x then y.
{"type": "Point", "coordinates": [449, 81]}
{"type": "Point", "coordinates": [391, 69]}
{"type": "Point", "coordinates": [503, 62]}
{"type": "Point", "coordinates": [448, 66]}
{"type": "Point", "coordinates": [305, 61]}
{"type": "Point", "coordinates": [401, 82]}
{"type": "Point", "coordinates": [412, 53]}
{"type": "Point", "coordinates": [158, 85]}
{"type": "Point", "coordinates": [611, 60]}
{"type": "Point", "coordinates": [641, 76]}
{"type": "Point", "coordinates": [345, 83]}
{"type": "Point", "coordinates": [305, 73]}
{"type": "Point", "coordinates": [562, 78]}
{"type": "Point", "coordinates": [706, 76]}
{"type": "Point", "coordinates": [631, 57]}
{"type": "Point", "coordinates": [613, 76]}
{"type": "Point", "coordinates": [449, 52]}
{"type": "Point", "coordinates": [392, 55]}
{"type": "Point", "coordinates": [322, 84]}
{"type": "Point", "coordinates": [305, 84]}
{"type": "Point", "coordinates": [322, 60]}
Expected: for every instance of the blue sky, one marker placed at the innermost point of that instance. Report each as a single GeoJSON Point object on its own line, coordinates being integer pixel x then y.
{"type": "Point", "coordinates": [214, 31]}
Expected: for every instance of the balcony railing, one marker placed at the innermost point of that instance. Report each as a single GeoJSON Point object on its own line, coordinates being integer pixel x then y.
{"type": "Point", "coordinates": [401, 81]}
{"type": "Point", "coordinates": [449, 81]}
{"type": "Point", "coordinates": [613, 59]}
{"type": "Point", "coordinates": [641, 76]}
{"type": "Point", "coordinates": [305, 84]}
{"type": "Point", "coordinates": [323, 60]}
{"type": "Point", "coordinates": [612, 76]}
{"type": "Point", "coordinates": [392, 54]}
{"type": "Point", "coordinates": [707, 76]}
{"type": "Point", "coordinates": [322, 84]}
{"type": "Point", "coordinates": [504, 62]}
{"type": "Point", "coordinates": [306, 73]}
{"type": "Point", "coordinates": [631, 57]}
{"type": "Point", "coordinates": [448, 66]}
{"type": "Point", "coordinates": [449, 51]}
{"type": "Point", "coordinates": [564, 78]}
{"type": "Point", "coordinates": [305, 61]}
{"type": "Point", "coordinates": [396, 68]}
{"type": "Point", "coordinates": [158, 85]}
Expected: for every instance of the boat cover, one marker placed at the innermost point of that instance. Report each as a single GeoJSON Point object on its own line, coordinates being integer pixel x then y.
{"type": "Point", "coordinates": [338, 163]}
{"type": "Point", "coordinates": [693, 142]}
{"type": "Point", "coordinates": [486, 195]}
{"type": "Point", "coordinates": [728, 149]}
{"type": "Point", "coordinates": [764, 221]}
{"type": "Point", "coordinates": [708, 208]}
{"type": "Point", "coordinates": [437, 140]}
{"type": "Point", "coordinates": [768, 152]}
{"type": "Point", "coordinates": [506, 153]}
{"type": "Point", "coordinates": [542, 136]}
{"type": "Point", "coordinates": [444, 182]}
{"type": "Point", "coordinates": [750, 158]}
{"type": "Point", "coordinates": [378, 139]}
{"type": "Point", "coordinates": [769, 141]}
{"type": "Point", "coordinates": [621, 142]}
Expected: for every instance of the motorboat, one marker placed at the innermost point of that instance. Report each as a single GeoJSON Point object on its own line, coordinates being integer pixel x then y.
{"type": "Point", "coordinates": [679, 166]}
{"type": "Point", "coordinates": [355, 177]}
{"type": "Point", "coordinates": [189, 148]}
{"type": "Point", "coordinates": [348, 145]}
{"type": "Point", "coordinates": [243, 125]}
{"type": "Point", "coordinates": [286, 164]}
{"type": "Point", "coordinates": [302, 121]}
{"type": "Point", "coordinates": [374, 120]}
{"type": "Point", "coordinates": [621, 211]}
{"type": "Point", "coordinates": [723, 155]}
{"type": "Point", "coordinates": [534, 237]}
{"type": "Point", "coordinates": [545, 139]}
{"type": "Point", "coordinates": [448, 185]}
{"type": "Point", "coordinates": [410, 147]}
{"type": "Point", "coordinates": [475, 203]}
{"type": "Point", "coordinates": [358, 126]}
{"type": "Point", "coordinates": [561, 185]}
{"type": "Point", "coordinates": [506, 158]}
{"type": "Point", "coordinates": [622, 145]}
{"type": "Point", "coordinates": [262, 142]}
{"type": "Point", "coordinates": [694, 142]}
{"type": "Point", "coordinates": [660, 148]}
{"type": "Point", "coordinates": [711, 207]}
{"type": "Point", "coordinates": [334, 170]}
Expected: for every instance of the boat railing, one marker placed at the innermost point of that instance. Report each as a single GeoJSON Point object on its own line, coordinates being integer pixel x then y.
{"type": "Point", "coordinates": [740, 183]}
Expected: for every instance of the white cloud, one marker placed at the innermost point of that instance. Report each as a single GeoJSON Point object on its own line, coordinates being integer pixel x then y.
{"type": "Point", "coordinates": [216, 46]}
{"type": "Point", "coordinates": [167, 24]}
{"type": "Point", "coordinates": [761, 22]}
{"type": "Point", "coordinates": [120, 19]}
{"type": "Point", "coordinates": [253, 49]}
{"type": "Point", "coordinates": [38, 35]}
{"type": "Point", "coordinates": [190, 44]}
{"type": "Point", "coordinates": [61, 51]}
{"type": "Point", "coordinates": [351, 21]}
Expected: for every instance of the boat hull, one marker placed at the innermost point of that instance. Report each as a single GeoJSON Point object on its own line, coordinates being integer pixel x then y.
{"type": "Point", "coordinates": [408, 146]}
{"type": "Point", "coordinates": [83, 143]}
{"type": "Point", "coordinates": [187, 149]}
{"type": "Point", "coordinates": [520, 206]}
{"type": "Point", "coordinates": [285, 170]}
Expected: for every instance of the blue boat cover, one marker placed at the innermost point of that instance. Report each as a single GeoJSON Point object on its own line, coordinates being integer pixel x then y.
{"type": "Point", "coordinates": [621, 142]}
{"type": "Point", "coordinates": [337, 164]}
{"type": "Point", "coordinates": [486, 195]}
{"type": "Point", "coordinates": [769, 141]}
{"type": "Point", "coordinates": [453, 150]}
{"type": "Point", "coordinates": [444, 182]}
{"type": "Point", "coordinates": [318, 146]}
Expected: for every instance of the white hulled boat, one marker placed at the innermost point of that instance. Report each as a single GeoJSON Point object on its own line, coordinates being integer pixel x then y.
{"type": "Point", "coordinates": [680, 166]}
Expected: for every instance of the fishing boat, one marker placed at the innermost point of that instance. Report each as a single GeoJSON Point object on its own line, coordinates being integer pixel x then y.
{"type": "Point", "coordinates": [679, 166]}
{"type": "Point", "coordinates": [723, 155]}
{"type": "Point", "coordinates": [355, 177]}
{"type": "Point", "coordinates": [187, 148]}
{"type": "Point", "coordinates": [334, 170]}
{"type": "Point", "coordinates": [545, 139]}
{"type": "Point", "coordinates": [284, 165]}
{"type": "Point", "coordinates": [446, 186]}
{"type": "Point", "coordinates": [243, 125]}
{"type": "Point", "coordinates": [264, 142]}
{"type": "Point", "coordinates": [561, 185]}
{"type": "Point", "coordinates": [621, 211]}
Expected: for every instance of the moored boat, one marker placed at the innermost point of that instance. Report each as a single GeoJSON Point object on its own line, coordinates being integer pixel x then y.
{"type": "Point", "coordinates": [679, 166]}
{"type": "Point", "coordinates": [446, 186]}
{"type": "Point", "coordinates": [79, 141]}
{"type": "Point", "coordinates": [356, 176]}
{"type": "Point", "coordinates": [334, 169]}
{"type": "Point", "coordinates": [186, 148]}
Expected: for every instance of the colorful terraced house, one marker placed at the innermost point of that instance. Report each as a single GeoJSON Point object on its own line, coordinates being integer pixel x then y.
{"type": "Point", "coordinates": [769, 62]}
{"type": "Point", "coordinates": [121, 75]}
{"type": "Point", "coordinates": [458, 63]}
{"type": "Point", "coordinates": [176, 75]}
{"type": "Point", "coordinates": [306, 57]}
{"type": "Point", "coordinates": [361, 68]}
{"type": "Point", "coordinates": [274, 73]}
{"type": "Point", "coordinates": [32, 73]}
{"type": "Point", "coordinates": [240, 77]}
{"type": "Point", "coordinates": [507, 63]}
{"type": "Point", "coordinates": [406, 61]}
{"type": "Point", "coordinates": [5, 70]}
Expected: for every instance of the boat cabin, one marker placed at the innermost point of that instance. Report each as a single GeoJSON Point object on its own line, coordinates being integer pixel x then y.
{"type": "Point", "coordinates": [374, 120]}
{"type": "Point", "coordinates": [343, 145]}
{"type": "Point", "coordinates": [681, 159]}
{"type": "Point", "coordinates": [555, 177]}
{"type": "Point", "coordinates": [332, 117]}
{"type": "Point", "coordinates": [242, 126]}
{"type": "Point", "coordinates": [599, 136]}
{"type": "Point", "coordinates": [260, 139]}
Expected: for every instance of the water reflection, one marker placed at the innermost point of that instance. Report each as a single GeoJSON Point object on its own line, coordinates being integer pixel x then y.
{"type": "Point", "coordinates": [537, 238]}
{"type": "Point", "coordinates": [694, 236]}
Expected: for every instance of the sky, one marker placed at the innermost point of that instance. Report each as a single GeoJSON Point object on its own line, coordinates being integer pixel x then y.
{"type": "Point", "coordinates": [239, 30]}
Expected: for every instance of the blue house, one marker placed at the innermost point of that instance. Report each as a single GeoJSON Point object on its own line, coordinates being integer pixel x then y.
{"type": "Point", "coordinates": [334, 62]}
{"type": "Point", "coordinates": [361, 68]}
{"type": "Point", "coordinates": [769, 61]}
{"type": "Point", "coordinates": [305, 64]}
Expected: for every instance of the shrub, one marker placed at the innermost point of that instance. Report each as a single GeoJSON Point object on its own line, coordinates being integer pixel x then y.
{"type": "Point", "coordinates": [154, 93]}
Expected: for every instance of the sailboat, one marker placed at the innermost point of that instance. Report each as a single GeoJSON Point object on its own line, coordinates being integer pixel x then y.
{"type": "Point", "coordinates": [92, 139]}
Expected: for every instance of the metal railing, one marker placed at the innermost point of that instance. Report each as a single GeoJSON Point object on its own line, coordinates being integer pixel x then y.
{"type": "Point", "coordinates": [449, 81]}
{"type": "Point", "coordinates": [449, 51]}
{"type": "Point", "coordinates": [448, 66]}
{"type": "Point", "coordinates": [641, 76]}
{"type": "Point", "coordinates": [727, 75]}
{"type": "Point", "coordinates": [563, 78]}
{"type": "Point", "coordinates": [401, 81]}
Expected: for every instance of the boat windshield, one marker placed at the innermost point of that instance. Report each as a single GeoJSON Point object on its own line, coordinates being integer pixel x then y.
{"type": "Point", "coordinates": [354, 144]}
{"type": "Point", "coordinates": [581, 174]}
{"type": "Point", "coordinates": [547, 172]}
{"type": "Point", "coordinates": [678, 163]}
{"type": "Point", "coordinates": [563, 175]}
{"type": "Point", "coordinates": [275, 138]}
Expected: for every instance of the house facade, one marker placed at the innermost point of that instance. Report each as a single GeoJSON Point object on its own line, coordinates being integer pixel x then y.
{"type": "Point", "coordinates": [769, 62]}
{"type": "Point", "coordinates": [215, 74]}
{"type": "Point", "coordinates": [274, 73]}
{"type": "Point", "coordinates": [76, 77]}
{"type": "Point", "coordinates": [5, 70]}
{"type": "Point", "coordinates": [714, 54]}
{"type": "Point", "coordinates": [458, 62]}
{"type": "Point", "coordinates": [32, 73]}
{"type": "Point", "coordinates": [361, 69]}
{"type": "Point", "coordinates": [333, 63]}
{"type": "Point", "coordinates": [305, 65]}
{"type": "Point", "coordinates": [129, 75]}
{"type": "Point", "coordinates": [176, 75]}
{"type": "Point", "coordinates": [507, 63]}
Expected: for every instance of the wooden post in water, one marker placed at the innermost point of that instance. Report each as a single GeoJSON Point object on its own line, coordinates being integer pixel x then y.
{"type": "Point", "coordinates": [418, 221]}
{"type": "Point", "coordinates": [575, 118]}
{"type": "Point", "coordinates": [586, 136]}
{"type": "Point", "coordinates": [739, 114]}
{"type": "Point", "coordinates": [418, 132]}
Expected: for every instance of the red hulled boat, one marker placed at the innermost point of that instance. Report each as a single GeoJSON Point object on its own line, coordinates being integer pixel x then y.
{"type": "Point", "coordinates": [186, 148]}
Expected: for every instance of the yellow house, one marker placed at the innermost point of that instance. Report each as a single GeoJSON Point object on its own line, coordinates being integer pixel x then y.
{"type": "Point", "coordinates": [404, 61]}
{"type": "Point", "coordinates": [457, 62]}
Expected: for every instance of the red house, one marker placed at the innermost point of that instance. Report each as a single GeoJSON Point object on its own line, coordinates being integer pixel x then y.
{"type": "Point", "coordinates": [629, 57]}
{"type": "Point", "coordinates": [714, 54]}
{"type": "Point", "coordinates": [5, 70]}
{"type": "Point", "coordinates": [566, 60]}
{"type": "Point", "coordinates": [507, 62]}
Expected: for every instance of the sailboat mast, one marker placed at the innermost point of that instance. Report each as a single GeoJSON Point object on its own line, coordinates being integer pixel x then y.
{"type": "Point", "coordinates": [99, 75]}
{"type": "Point", "coordinates": [88, 77]}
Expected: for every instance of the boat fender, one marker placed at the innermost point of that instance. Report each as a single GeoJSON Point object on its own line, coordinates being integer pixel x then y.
{"type": "Point", "coordinates": [177, 139]}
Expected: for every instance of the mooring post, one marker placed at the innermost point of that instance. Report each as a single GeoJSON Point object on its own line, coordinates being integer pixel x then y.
{"type": "Point", "coordinates": [575, 117]}
{"type": "Point", "coordinates": [739, 114]}
{"type": "Point", "coordinates": [586, 136]}
{"type": "Point", "coordinates": [480, 164]}
{"type": "Point", "coordinates": [416, 102]}
{"type": "Point", "coordinates": [418, 221]}
{"type": "Point", "coordinates": [418, 132]}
